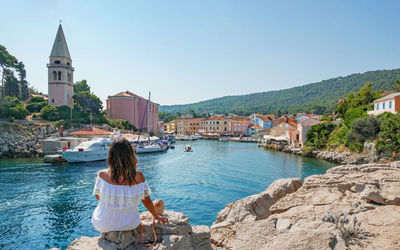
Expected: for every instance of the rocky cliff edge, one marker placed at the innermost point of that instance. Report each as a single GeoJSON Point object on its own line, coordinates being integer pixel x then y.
{"type": "Point", "coordinates": [351, 206]}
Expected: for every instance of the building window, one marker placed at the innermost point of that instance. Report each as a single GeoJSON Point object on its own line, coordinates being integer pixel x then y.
{"type": "Point", "coordinates": [57, 62]}
{"type": "Point", "coordinates": [54, 75]}
{"type": "Point", "coordinates": [59, 75]}
{"type": "Point", "coordinates": [390, 104]}
{"type": "Point", "coordinates": [383, 105]}
{"type": "Point", "coordinates": [52, 100]}
{"type": "Point", "coordinates": [377, 106]}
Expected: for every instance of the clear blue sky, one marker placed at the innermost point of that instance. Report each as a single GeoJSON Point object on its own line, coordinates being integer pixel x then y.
{"type": "Point", "coordinates": [188, 51]}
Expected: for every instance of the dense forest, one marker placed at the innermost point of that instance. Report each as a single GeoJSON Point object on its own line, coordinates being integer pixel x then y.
{"type": "Point", "coordinates": [319, 97]}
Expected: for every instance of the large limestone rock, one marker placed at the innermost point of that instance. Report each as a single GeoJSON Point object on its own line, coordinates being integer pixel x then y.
{"type": "Point", "coordinates": [318, 214]}
{"type": "Point", "coordinates": [176, 234]}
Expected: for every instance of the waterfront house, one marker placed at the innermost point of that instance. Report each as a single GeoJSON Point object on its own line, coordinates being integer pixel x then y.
{"type": "Point", "coordinates": [171, 126]}
{"type": "Point", "coordinates": [264, 121]}
{"type": "Point", "coordinates": [303, 127]}
{"type": "Point", "coordinates": [283, 126]}
{"type": "Point", "coordinates": [254, 129]}
{"type": "Point", "coordinates": [239, 127]}
{"type": "Point", "coordinates": [180, 127]}
{"type": "Point", "coordinates": [192, 125]}
{"type": "Point", "coordinates": [188, 126]}
{"type": "Point", "coordinates": [133, 108]}
{"type": "Point", "coordinates": [216, 124]}
{"type": "Point", "coordinates": [389, 103]}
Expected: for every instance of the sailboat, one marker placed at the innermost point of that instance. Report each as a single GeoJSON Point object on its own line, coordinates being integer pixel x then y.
{"type": "Point", "coordinates": [157, 147]}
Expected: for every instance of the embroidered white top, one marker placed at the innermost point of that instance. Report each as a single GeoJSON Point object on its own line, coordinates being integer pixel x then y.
{"type": "Point", "coordinates": [117, 209]}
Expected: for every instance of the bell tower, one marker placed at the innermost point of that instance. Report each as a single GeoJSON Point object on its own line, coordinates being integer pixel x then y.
{"type": "Point", "coordinates": [60, 73]}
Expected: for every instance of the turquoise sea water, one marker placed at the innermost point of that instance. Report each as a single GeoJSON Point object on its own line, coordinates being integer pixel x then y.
{"type": "Point", "coordinates": [42, 204]}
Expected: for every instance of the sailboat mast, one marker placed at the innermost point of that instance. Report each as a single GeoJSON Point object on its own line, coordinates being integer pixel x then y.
{"type": "Point", "coordinates": [148, 116]}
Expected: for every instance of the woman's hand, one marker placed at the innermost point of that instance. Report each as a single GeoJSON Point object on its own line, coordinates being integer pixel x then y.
{"type": "Point", "coordinates": [162, 219]}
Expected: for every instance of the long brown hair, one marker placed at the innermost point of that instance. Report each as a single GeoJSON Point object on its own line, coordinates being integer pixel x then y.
{"type": "Point", "coordinates": [122, 161]}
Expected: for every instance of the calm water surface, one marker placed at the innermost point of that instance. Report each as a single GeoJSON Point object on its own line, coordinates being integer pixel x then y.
{"type": "Point", "coordinates": [41, 204]}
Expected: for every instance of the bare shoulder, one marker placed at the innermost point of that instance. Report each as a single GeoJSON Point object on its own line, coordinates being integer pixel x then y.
{"type": "Point", "coordinates": [103, 174]}
{"type": "Point", "coordinates": [139, 177]}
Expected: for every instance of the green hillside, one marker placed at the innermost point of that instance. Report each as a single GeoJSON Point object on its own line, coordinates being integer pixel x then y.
{"type": "Point", "coordinates": [311, 97]}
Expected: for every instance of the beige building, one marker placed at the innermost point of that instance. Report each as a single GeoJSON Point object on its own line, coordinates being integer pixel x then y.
{"type": "Point", "coordinates": [217, 125]}
{"type": "Point", "coordinates": [171, 126]}
{"type": "Point", "coordinates": [180, 127]}
{"type": "Point", "coordinates": [303, 127]}
{"type": "Point", "coordinates": [283, 127]}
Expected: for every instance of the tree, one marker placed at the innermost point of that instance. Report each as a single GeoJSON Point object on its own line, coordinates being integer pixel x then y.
{"type": "Point", "coordinates": [318, 109]}
{"type": "Point", "coordinates": [362, 129]}
{"type": "Point", "coordinates": [11, 87]}
{"type": "Point", "coordinates": [87, 102]}
{"type": "Point", "coordinates": [318, 135]}
{"type": "Point", "coordinates": [12, 107]}
{"type": "Point", "coordinates": [35, 104]}
{"type": "Point", "coordinates": [354, 113]}
{"type": "Point", "coordinates": [49, 113]}
{"type": "Point", "coordinates": [389, 133]}
{"type": "Point", "coordinates": [7, 61]}
{"type": "Point", "coordinates": [22, 82]}
{"type": "Point", "coordinates": [396, 86]}
{"type": "Point", "coordinates": [364, 97]}
{"type": "Point", "coordinates": [81, 86]}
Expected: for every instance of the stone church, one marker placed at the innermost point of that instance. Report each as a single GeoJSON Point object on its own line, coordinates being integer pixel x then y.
{"type": "Point", "coordinates": [60, 73]}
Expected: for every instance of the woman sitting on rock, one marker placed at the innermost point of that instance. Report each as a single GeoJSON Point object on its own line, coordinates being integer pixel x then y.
{"type": "Point", "coordinates": [119, 189]}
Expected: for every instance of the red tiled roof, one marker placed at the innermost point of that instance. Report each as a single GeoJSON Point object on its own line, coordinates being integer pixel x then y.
{"type": "Point", "coordinates": [291, 121]}
{"type": "Point", "coordinates": [193, 120]}
{"type": "Point", "coordinates": [240, 121]}
{"type": "Point", "coordinates": [216, 118]}
{"type": "Point", "coordinates": [91, 131]}
{"type": "Point", "coordinates": [266, 117]}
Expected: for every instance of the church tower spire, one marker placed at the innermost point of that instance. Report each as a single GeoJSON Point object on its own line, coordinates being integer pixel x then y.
{"type": "Point", "coordinates": [60, 73]}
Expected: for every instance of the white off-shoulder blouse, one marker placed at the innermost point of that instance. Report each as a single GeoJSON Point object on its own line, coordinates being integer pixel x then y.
{"type": "Point", "coordinates": [117, 209]}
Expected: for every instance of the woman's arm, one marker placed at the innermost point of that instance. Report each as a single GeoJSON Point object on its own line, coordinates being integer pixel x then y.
{"type": "Point", "coordinates": [148, 203]}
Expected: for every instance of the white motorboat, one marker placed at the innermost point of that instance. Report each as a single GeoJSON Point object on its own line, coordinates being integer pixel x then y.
{"type": "Point", "coordinates": [152, 148]}
{"type": "Point", "coordinates": [197, 136]}
{"type": "Point", "coordinates": [93, 150]}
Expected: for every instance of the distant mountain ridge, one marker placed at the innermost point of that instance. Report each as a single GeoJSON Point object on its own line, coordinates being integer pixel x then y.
{"type": "Point", "coordinates": [304, 98]}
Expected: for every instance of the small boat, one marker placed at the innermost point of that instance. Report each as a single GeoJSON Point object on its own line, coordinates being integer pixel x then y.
{"type": "Point", "coordinates": [152, 148]}
{"type": "Point", "coordinates": [93, 150]}
{"type": "Point", "coordinates": [196, 136]}
{"type": "Point", "coordinates": [224, 138]}
{"type": "Point", "coordinates": [188, 148]}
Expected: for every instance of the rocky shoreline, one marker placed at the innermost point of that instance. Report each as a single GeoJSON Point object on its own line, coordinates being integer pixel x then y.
{"type": "Point", "coordinates": [22, 141]}
{"type": "Point", "coordinates": [369, 154]}
{"type": "Point", "coordinates": [351, 206]}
